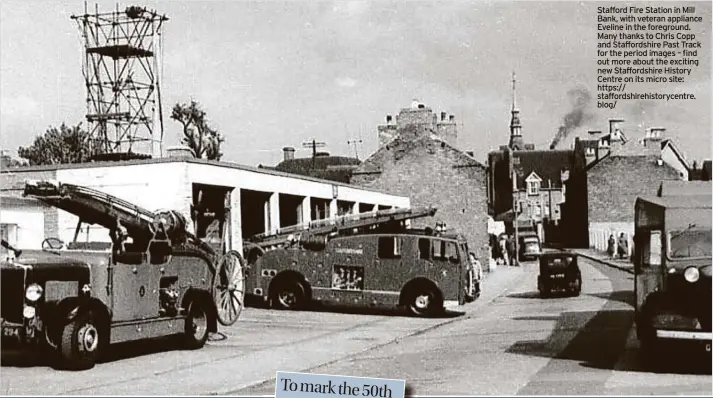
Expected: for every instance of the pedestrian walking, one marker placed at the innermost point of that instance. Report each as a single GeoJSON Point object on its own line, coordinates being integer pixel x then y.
{"type": "Point", "coordinates": [622, 246]}
{"type": "Point", "coordinates": [611, 246]}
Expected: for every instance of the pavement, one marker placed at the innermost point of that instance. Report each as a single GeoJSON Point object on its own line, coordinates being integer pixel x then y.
{"type": "Point", "coordinates": [602, 257]}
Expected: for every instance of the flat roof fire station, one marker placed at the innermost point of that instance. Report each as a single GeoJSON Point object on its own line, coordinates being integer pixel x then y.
{"type": "Point", "coordinates": [267, 200]}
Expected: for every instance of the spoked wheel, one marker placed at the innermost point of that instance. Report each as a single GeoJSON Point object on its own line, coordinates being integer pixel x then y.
{"type": "Point", "coordinates": [229, 287]}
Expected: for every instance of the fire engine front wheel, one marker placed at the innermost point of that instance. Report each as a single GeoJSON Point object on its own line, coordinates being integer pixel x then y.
{"type": "Point", "coordinates": [80, 343]}
{"type": "Point", "coordinates": [288, 295]}
{"type": "Point", "coordinates": [196, 329]}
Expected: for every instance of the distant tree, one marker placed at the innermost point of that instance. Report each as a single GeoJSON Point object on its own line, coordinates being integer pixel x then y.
{"type": "Point", "coordinates": [203, 140]}
{"type": "Point", "coordinates": [59, 145]}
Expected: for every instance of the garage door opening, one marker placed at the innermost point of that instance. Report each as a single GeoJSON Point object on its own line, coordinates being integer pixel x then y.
{"type": "Point", "coordinates": [254, 206]}
{"type": "Point", "coordinates": [210, 213]}
{"type": "Point", "coordinates": [320, 209]}
{"type": "Point", "coordinates": [345, 207]}
{"type": "Point", "coordinates": [365, 207]}
{"type": "Point", "coordinates": [290, 210]}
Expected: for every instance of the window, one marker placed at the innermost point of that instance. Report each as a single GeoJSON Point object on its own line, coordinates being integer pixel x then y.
{"type": "Point", "coordinates": [651, 250]}
{"type": "Point", "coordinates": [533, 187]}
{"type": "Point", "coordinates": [8, 232]}
{"type": "Point", "coordinates": [389, 247]}
{"type": "Point", "coordinates": [438, 249]}
{"type": "Point", "coordinates": [451, 251]}
{"type": "Point", "coordinates": [689, 243]}
{"type": "Point", "coordinates": [424, 249]}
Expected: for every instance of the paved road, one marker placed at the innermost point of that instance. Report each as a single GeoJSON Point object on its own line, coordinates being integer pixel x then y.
{"type": "Point", "coordinates": [248, 353]}
{"type": "Point", "coordinates": [508, 342]}
{"type": "Point", "coordinates": [521, 344]}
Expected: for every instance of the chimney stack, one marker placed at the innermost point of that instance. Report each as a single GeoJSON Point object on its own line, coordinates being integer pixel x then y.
{"type": "Point", "coordinates": [443, 116]}
{"type": "Point", "coordinates": [452, 118]}
{"type": "Point", "coordinates": [288, 153]}
{"type": "Point", "coordinates": [179, 152]}
{"type": "Point", "coordinates": [388, 119]}
{"type": "Point", "coordinates": [615, 129]}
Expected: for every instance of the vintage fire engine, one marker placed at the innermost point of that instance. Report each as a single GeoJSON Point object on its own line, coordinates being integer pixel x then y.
{"type": "Point", "coordinates": [366, 259]}
{"type": "Point", "coordinates": [154, 279]}
{"type": "Point", "coordinates": [672, 266]}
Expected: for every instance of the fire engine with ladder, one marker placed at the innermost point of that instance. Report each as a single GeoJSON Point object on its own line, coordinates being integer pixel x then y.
{"type": "Point", "coordinates": [368, 259]}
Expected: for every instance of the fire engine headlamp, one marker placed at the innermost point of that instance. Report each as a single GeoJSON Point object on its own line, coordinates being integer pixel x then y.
{"type": "Point", "coordinates": [28, 312]}
{"type": "Point", "coordinates": [691, 274]}
{"type": "Point", "coordinates": [33, 292]}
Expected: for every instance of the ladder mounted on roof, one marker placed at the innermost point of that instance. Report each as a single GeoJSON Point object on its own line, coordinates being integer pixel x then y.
{"type": "Point", "coordinates": [344, 223]}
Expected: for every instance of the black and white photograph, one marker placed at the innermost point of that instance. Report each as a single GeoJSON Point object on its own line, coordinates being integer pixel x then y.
{"type": "Point", "coordinates": [432, 197]}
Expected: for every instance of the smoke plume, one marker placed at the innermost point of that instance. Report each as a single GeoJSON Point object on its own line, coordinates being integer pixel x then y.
{"type": "Point", "coordinates": [579, 99]}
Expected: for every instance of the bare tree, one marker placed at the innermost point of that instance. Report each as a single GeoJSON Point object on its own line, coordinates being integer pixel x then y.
{"type": "Point", "coordinates": [203, 140]}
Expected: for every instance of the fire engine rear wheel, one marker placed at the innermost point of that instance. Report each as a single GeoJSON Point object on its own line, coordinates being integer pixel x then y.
{"type": "Point", "coordinates": [80, 344]}
{"type": "Point", "coordinates": [424, 301]}
{"type": "Point", "coordinates": [196, 329]}
{"type": "Point", "coordinates": [288, 294]}
{"type": "Point", "coordinates": [229, 287]}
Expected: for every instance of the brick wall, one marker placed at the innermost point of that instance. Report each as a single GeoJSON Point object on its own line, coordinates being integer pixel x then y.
{"type": "Point", "coordinates": [428, 172]}
{"type": "Point", "coordinates": [12, 183]}
{"type": "Point", "coordinates": [615, 182]}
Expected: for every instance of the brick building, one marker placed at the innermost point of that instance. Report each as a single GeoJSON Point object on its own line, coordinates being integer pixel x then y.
{"type": "Point", "coordinates": [702, 173]}
{"type": "Point", "coordinates": [420, 163]}
{"type": "Point", "coordinates": [628, 169]}
{"type": "Point", "coordinates": [549, 188]}
{"type": "Point", "coordinates": [422, 116]}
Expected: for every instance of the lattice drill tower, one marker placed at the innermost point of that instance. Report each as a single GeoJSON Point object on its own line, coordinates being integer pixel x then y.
{"type": "Point", "coordinates": [121, 71]}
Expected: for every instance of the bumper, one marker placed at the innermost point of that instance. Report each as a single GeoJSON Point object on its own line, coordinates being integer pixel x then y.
{"type": "Point", "coordinates": [684, 335]}
{"type": "Point", "coordinates": [449, 304]}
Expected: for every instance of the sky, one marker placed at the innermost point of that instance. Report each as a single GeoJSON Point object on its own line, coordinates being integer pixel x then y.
{"type": "Point", "coordinates": [273, 74]}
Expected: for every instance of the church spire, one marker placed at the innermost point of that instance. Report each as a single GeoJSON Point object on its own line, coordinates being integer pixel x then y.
{"type": "Point", "coordinates": [516, 141]}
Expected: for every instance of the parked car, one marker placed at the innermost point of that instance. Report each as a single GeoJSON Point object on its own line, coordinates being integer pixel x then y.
{"type": "Point", "coordinates": [559, 272]}
{"type": "Point", "coordinates": [529, 246]}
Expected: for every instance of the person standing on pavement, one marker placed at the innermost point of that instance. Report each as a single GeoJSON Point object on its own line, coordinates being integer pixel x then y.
{"type": "Point", "coordinates": [623, 246]}
{"type": "Point", "coordinates": [611, 246]}
{"type": "Point", "coordinates": [504, 250]}
{"type": "Point", "coordinates": [510, 245]}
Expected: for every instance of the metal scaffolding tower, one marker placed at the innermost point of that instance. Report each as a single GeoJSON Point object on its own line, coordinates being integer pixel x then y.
{"type": "Point", "coordinates": [121, 71]}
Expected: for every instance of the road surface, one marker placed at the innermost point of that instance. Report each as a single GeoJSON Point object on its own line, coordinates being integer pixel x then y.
{"type": "Point", "coordinates": [508, 342]}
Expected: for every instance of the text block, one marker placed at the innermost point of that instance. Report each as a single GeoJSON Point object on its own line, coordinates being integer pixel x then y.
{"type": "Point", "coordinates": [303, 385]}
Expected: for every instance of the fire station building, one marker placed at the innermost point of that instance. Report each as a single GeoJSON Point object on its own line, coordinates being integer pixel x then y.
{"type": "Point", "coordinates": [260, 200]}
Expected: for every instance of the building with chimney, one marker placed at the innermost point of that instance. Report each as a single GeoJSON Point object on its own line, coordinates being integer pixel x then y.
{"type": "Point", "coordinates": [417, 159]}
{"type": "Point", "coordinates": [541, 190]}
{"type": "Point", "coordinates": [320, 165]}
{"type": "Point", "coordinates": [702, 173]}
{"type": "Point", "coordinates": [421, 116]}
{"type": "Point", "coordinates": [621, 169]}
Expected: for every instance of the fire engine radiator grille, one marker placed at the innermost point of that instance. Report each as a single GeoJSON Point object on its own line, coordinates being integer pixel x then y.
{"type": "Point", "coordinates": [12, 290]}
